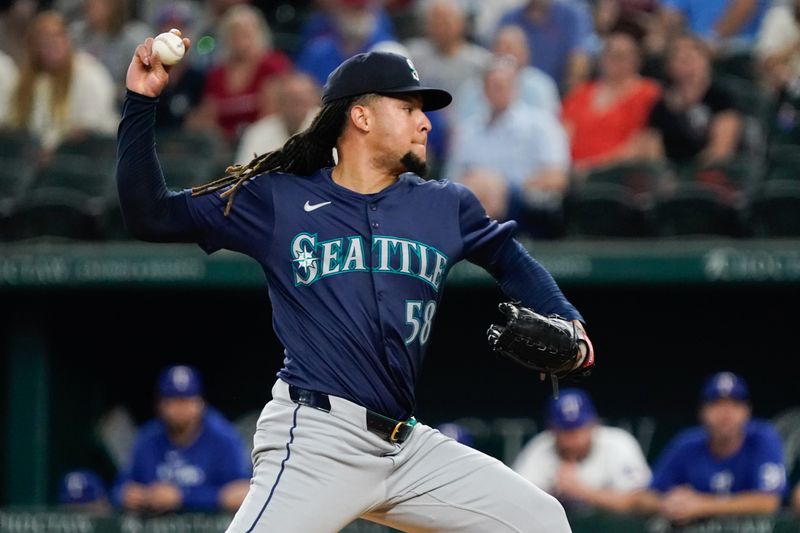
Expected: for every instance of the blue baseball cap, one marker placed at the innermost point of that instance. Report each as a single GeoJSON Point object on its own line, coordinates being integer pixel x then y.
{"type": "Point", "coordinates": [572, 409]}
{"type": "Point", "coordinates": [179, 381]}
{"type": "Point", "coordinates": [81, 486]}
{"type": "Point", "coordinates": [724, 385]}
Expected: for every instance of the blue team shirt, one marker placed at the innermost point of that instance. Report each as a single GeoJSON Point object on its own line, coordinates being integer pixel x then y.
{"type": "Point", "coordinates": [354, 279]}
{"type": "Point", "coordinates": [757, 466]}
{"type": "Point", "coordinates": [565, 30]}
{"type": "Point", "coordinates": [200, 469]}
{"type": "Point", "coordinates": [702, 16]}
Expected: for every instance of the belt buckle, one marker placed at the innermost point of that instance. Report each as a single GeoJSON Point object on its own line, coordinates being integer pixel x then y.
{"type": "Point", "coordinates": [410, 422]}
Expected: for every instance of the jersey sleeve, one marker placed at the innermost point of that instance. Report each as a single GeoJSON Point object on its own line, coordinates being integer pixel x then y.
{"type": "Point", "coordinates": [768, 468]}
{"type": "Point", "coordinates": [492, 246]}
{"type": "Point", "coordinates": [136, 471]}
{"type": "Point", "coordinates": [482, 238]}
{"type": "Point", "coordinates": [248, 226]}
{"type": "Point", "coordinates": [631, 471]}
{"type": "Point", "coordinates": [669, 470]}
{"type": "Point", "coordinates": [536, 462]}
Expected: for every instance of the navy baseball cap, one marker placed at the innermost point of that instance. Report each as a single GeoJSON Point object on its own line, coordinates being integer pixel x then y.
{"type": "Point", "coordinates": [81, 486]}
{"type": "Point", "coordinates": [179, 382]}
{"type": "Point", "coordinates": [725, 385]}
{"type": "Point", "coordinates": [572, 409]}
{"type": "Point", "coordinates": [382, 73]}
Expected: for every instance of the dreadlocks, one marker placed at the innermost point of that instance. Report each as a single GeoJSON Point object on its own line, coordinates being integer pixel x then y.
{"type": "Point", "coordinates": [304, 152]}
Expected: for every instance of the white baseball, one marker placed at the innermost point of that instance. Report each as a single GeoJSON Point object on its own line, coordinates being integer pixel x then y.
{"type": "Point", "coordinates": [169, 48]}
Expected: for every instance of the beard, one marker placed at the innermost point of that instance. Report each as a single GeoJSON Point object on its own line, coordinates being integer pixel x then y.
{"type": "Point", "coordinates": [412, 163]}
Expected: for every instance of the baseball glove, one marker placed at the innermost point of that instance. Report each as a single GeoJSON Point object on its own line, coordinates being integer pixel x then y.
{"type": "Point", "coordinates": [550, 345]}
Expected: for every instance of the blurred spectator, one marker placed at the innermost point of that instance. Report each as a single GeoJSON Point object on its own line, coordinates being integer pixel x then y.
{"type": "Point", "coordinates": [105, 33]}
{"type": "Point", "coordinates": [725, 25]}
{"type": "Point", "coordinates": [795, 501]}
{"type": "Point", "coordinates": [322, 23]}
{"type": "Point", "coordinates": [185, 87]}
{"type": "Point", "coordinates": [15, 20]}
{"type": "Point", "coordinates": [580, 461]}
{"type": "Point", "coordinates": [444, 57]}
{"type": "Point", "coordinates": [457, 432]}
{"type": "Point", "coordinates": [208, 42]}
{"type": "Point", "coordinates": [59, 92]}
{"type": "Point", "coordinates": [297, 98]}
{"type": "Point", "coordinates": [356, 31]}
{"type": "Point", "coordinates": [696, 118]}
{"type": "Point", "coordinates": [778, 46]}
{"type": "Point", "coordinates": [732, 465]}
{"type": "Point", "coordinates": [557, 36]}
{"type": "Point", "coordinates": [534, 87]}
{"type": "Point", "coordinates": [485, 17]}
{"type": "Point", "coordinates": [604, 117]}
{"type": "Point", "coordinates": [515, 158]}
{"type": "Point", "coordinates": [190, 458]}
{"type": "Point", "coordinates": [231, 97]}
{"type": "Point", "coordinates": [8, 75]}
{"type": "Point", "coordinates": [84, 491]}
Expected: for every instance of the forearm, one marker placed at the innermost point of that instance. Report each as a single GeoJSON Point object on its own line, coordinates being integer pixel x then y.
{"type": "Point", "coordinates": [202, 498]}
{"type": "Point", "coordinates": [645, 502]}
{"type": "Point", "coordinates": [522, 278]}
{"type": "Point", "coordinates": [746, 503]}
{"type": "Point", "coordinates": [736, 16]}
{"type": "Point", "coordinates": [619, 502]}
{"type": "Point", "coordinates": [150, 210]}
{"type": "Point", "coordinates": [724, 137]}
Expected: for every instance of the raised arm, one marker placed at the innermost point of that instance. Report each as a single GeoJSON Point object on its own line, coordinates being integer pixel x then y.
{"type": "Point", "coordinates": [150, 210]}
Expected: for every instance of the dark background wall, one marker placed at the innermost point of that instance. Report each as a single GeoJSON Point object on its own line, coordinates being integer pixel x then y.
{"type": "Point", "coordinates": [654, 347]}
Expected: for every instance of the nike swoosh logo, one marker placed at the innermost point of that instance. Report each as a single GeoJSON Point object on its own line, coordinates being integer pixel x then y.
{"type": "Point", "coordinates": [308, 207]}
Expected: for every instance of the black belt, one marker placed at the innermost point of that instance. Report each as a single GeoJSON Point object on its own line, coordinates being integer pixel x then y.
{"type": "Point", "coordinates": [395, 431]}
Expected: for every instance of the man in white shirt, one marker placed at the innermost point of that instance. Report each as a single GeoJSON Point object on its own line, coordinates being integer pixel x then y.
{"type": "Point", "coordinates": [296, 100]}
{"type": "Point", "coordinates": [582, 462]}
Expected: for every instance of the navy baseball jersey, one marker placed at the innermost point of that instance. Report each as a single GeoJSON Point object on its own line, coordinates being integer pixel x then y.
{"type": "Point", "coordinates": [757, 466]}
{"type": "Point", "coordinates": [354, 280]}
{"type": "Point", "coordinates": [199, 470]}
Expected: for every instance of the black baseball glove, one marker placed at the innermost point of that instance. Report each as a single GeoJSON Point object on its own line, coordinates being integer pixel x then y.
{"type": "Point", "coordinates": [551, 345]}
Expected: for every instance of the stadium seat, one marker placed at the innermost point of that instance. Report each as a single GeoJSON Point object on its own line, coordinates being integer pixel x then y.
{"type": "Point", "coordinates": [739, 64]}
{"type": "Point", "coordinates": [18, 144]}
{"type": "Point", "coordinates": [91, 145]}
{"type": "Point", "coordinates": [184, 171]}
{"type": "Point", "coordinates": [697, 209]}
{"type": "Point", "coordinates": [775, 210]}
{"type": "Point", "coordinates": [15, 179]}
{"type": "Point", "coordinates": [55, 212]}
{"type": "Point", "coordinates": [91, 176]}
{"type": "Point", "coordinates": [783, 163]}
{"type": "Point", "coordinates": [604, 210]}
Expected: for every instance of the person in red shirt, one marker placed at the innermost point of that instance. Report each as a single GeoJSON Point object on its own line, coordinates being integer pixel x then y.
{"type": "Point", "coordinates": [603, 117]}
{"type": "Point", "coordinates": [231, 97]}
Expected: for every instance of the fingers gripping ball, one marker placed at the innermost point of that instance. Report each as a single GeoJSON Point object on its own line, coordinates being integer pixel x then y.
{"type": "Point", "coordinates": [169, 48]}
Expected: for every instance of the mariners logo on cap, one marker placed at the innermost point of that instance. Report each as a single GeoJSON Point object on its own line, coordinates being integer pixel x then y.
{"type": "Point", "coordinates": [414, 72]}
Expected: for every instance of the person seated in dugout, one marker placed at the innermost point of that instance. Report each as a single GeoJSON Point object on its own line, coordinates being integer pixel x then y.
{"type": "Point", "coordinates": [188, 459]}
{"type": "Point", "coordinates": [730, 465]}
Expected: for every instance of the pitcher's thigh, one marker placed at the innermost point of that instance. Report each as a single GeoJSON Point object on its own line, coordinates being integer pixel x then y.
{"type": "Point", "coordinates": [457, 488]}
{"type": "Point", "coordinates": [298, 484]}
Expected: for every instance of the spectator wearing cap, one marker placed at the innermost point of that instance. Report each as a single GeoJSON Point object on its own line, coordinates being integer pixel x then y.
{"type": "Point", "coordinates": [731, 465]}
{"type": "Point", "coordinates": [580, 461]}
{"type": "Point", "coordinates": [356, 30]}
{"type": "Point", "coordinates": [84, 491]}
{"type": "Point", "coordinates": [189, 459]}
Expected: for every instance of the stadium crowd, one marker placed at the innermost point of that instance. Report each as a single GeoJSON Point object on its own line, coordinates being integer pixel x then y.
{"type": "Point", "coordinates": [577, 118]}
